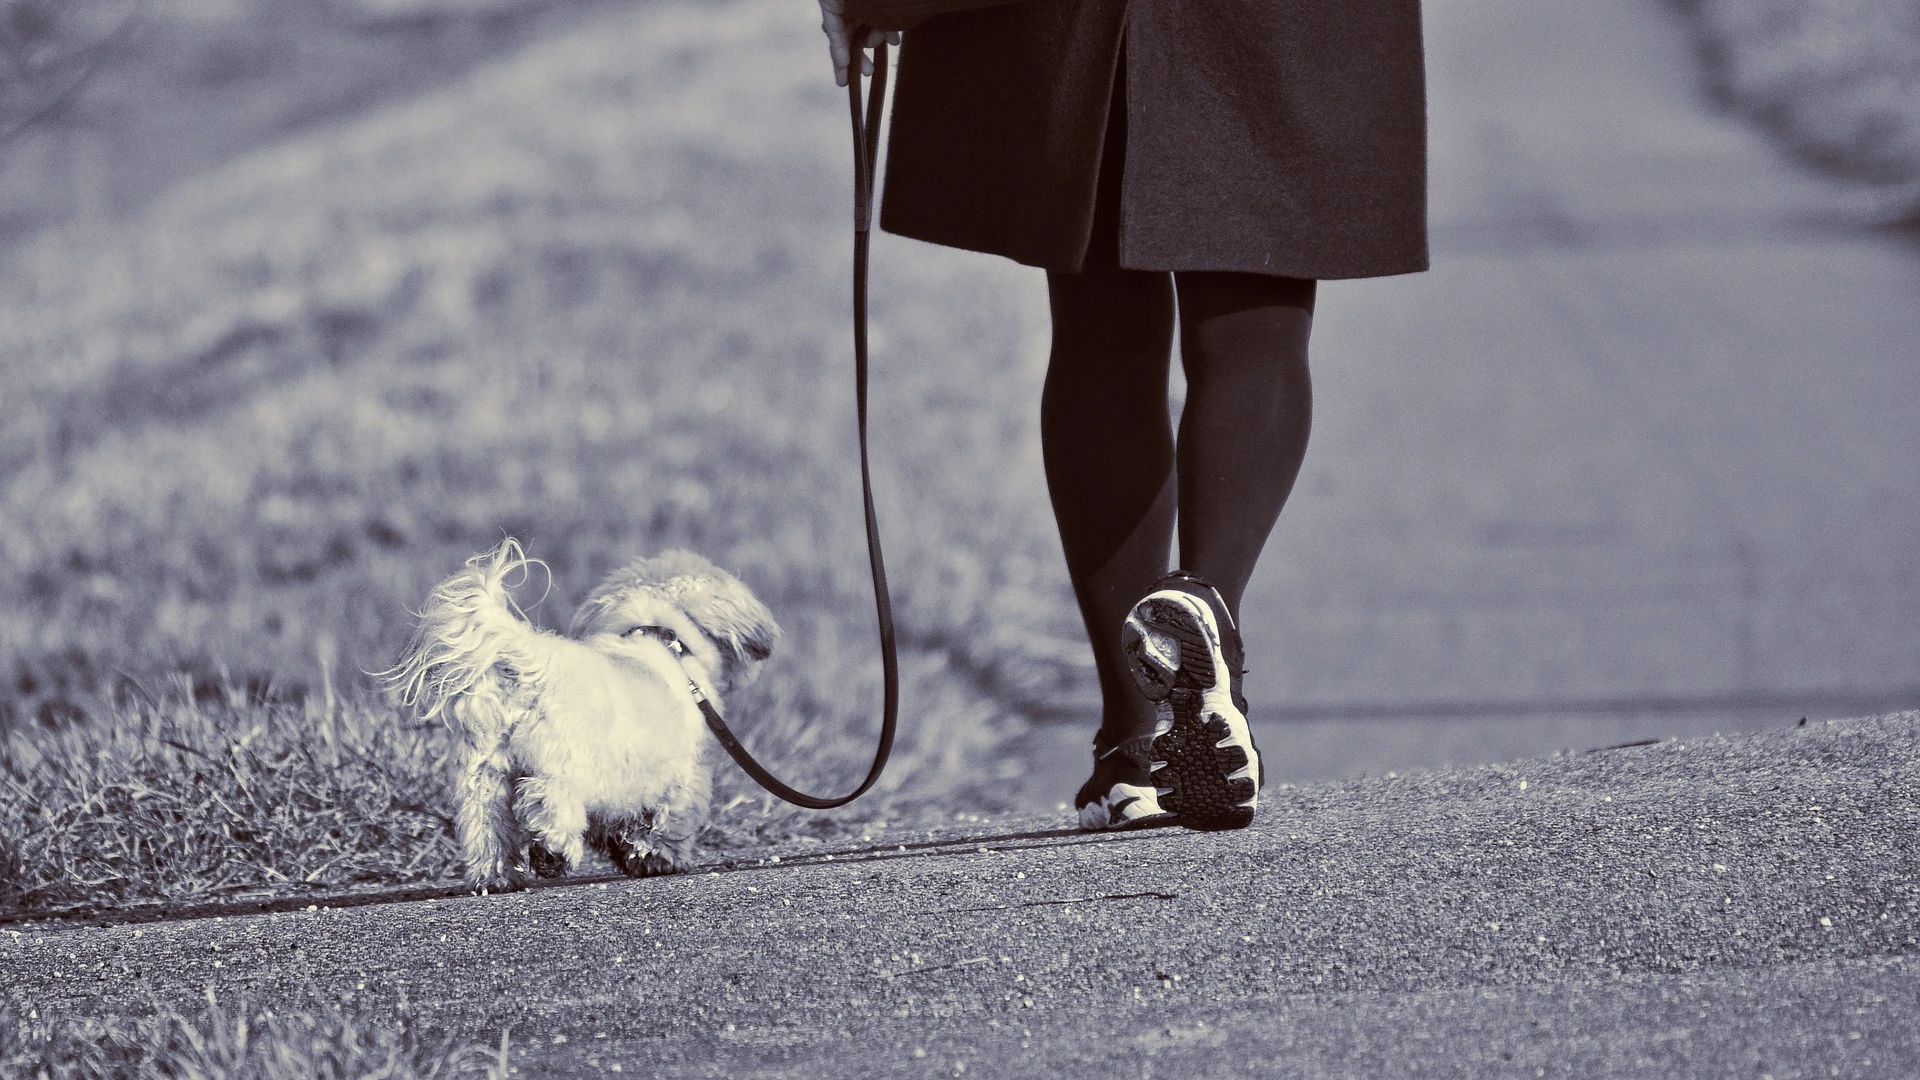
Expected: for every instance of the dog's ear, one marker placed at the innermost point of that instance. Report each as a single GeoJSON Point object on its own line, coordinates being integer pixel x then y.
{"type": "Point", "coordinates": [728, 612]}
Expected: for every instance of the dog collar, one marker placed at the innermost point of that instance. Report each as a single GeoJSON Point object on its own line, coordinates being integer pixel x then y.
{"type": "Point", "coordinates": [679, 649]}
{"type": "Point", "coordinates": [664, 636]}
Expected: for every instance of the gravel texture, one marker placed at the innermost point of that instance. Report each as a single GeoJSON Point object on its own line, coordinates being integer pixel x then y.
{"type": "Point", "coordinates": [1743, 906]}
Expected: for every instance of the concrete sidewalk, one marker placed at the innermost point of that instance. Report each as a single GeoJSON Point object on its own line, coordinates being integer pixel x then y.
{"type": "Point", "coordinates": [1643, 433]}
{"type": "Point", "coordinates": [1740, 907]}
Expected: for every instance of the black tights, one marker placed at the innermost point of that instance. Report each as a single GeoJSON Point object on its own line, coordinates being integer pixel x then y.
{"type": "Point", "coordinates": [1115, 473]}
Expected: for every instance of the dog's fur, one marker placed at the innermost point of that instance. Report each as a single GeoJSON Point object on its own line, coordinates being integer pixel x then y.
{"type": "Point", "coordinates": [591, 739]}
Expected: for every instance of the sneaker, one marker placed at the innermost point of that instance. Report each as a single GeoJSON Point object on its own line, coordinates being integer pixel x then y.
{"type": "Point", "coordinates": [1120, 793]}
{"type": "Point", "coordinates": [1183, 649]}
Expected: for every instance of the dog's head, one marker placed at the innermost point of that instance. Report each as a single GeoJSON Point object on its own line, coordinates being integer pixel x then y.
{"type": "Point", "coordinates": [722, 627]}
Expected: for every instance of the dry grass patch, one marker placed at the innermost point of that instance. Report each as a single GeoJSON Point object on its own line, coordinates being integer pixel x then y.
{"type": "Point", "coordinates": [593, 296]}
{"type": "Point", "coordinates": [187, 801]}
{"type": "Point", "coordinates": [193, 801]}
{"type": "Point", "coordinates": [235, 1041]}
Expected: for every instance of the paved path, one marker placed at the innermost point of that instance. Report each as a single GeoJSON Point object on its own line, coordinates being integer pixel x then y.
{"type": "Point", "coordinates": [1744, 907]}
{"type": "Point", "coordinates": [1645, 431]}
{"type": "Point", "coordinates": [1636, 458]}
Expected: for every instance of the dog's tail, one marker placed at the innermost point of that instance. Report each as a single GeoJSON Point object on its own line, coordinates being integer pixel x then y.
{"type": "Point", "coordinates": [470, 634]}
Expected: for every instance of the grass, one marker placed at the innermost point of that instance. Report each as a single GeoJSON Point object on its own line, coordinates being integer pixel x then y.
{"type": "Point", "coordinates": [1837, 80]}
{"type": "Point", "coordinates": [591, 295]}
{"type": "Point", "coordinates": [99, 115]}
{"type": "Point", "coordinates": [192, 801]}
{"type": "Point", "coordinates": [225, 1042]}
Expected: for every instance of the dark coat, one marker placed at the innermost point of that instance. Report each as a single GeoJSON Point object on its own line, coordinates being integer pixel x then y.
{"type": "Point", "coordinates": [1269, 136]}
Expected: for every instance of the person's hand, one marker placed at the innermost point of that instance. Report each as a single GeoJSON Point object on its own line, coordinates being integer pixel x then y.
{"type": "Point", "coordinates": [841, 39]}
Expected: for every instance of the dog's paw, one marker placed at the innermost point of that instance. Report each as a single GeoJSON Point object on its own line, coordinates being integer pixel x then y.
{"type": "Point", "coordinates": [651, 864]}
{"type": "Point", "coordinates": [658, 865]}
{"type": "Point", "coordinates": [628, 858]}
{"type": "Point", "coordinates": [502, 879]}
{"type": "Point", "coordinates": [545, 863]}
{"type": "Point", "coordinates": [640, 860]}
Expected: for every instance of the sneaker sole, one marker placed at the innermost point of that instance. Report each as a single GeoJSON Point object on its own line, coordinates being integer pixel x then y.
{"type": "Point", "coordinates": [1204, 762]}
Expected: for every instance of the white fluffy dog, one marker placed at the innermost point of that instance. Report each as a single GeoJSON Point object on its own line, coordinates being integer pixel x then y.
{"type": "Point", "coordinates": [592, 739]}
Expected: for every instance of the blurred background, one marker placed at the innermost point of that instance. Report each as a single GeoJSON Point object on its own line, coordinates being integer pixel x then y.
{"type": "Point", "coordinates": [305, 301]}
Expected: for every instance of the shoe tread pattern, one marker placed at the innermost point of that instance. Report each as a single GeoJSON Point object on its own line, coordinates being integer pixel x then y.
{"type": "Point", "coordinates": [1204, 793]}
{"type": "Point", "coordinates": [1198, 776]}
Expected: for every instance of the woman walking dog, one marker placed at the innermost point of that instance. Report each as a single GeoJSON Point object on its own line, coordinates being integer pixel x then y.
{"type": "Point", "coordinates": [1214, 158]}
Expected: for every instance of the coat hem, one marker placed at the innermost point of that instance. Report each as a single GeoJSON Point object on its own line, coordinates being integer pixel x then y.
{"type": "Point", "coordinates": [1387, 268]}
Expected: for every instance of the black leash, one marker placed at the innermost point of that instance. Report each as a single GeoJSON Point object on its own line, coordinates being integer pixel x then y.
{"type": "Point", "coordinates": [866, 146]}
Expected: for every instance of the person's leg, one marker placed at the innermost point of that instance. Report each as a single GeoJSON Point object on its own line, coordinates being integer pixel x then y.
{"type": "Point", "coordinates": [1243, 434]}
{"type": "Point", "coordinates": [1108, 448]}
